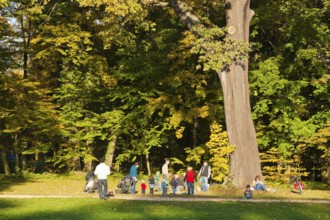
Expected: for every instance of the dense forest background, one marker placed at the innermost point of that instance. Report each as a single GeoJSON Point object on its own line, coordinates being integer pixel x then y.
{"type": "Point", "coordinates": [126, 79]}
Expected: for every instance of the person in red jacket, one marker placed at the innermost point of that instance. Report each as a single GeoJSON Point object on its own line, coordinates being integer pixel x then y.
{"type": "Point", "coordinates": [143, 187]}
{"type": "Point", "coordinates": [190, 179]}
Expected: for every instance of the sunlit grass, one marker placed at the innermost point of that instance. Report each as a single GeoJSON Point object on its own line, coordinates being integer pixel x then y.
{"type": "Point", "coordinates": [89, 208]}
{"type": "Point", "coordinates": [72, 185]}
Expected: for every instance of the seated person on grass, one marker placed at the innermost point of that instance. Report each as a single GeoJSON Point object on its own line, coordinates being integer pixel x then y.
{"type": "Point", "coordinates": [248, 192]}
{"type": "Point", "coordinates": [258, 184]}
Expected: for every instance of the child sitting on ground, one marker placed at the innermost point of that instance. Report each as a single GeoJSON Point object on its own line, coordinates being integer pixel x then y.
{"type": "Point", "coordinates": [143, 187]}
{"type": "Point", "coordinates": [248, 192]}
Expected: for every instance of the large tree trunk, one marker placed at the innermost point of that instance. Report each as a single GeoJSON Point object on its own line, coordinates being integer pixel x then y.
{"type": "Point", "coordinates": [111, 150]}
{"type": "Point", "coordinates": [5, 162]}
{"type": "Point", "coordinates": [245, 161]}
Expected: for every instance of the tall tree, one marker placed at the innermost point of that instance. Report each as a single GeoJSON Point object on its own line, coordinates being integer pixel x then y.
{"type": "Point", "coordinates": [233, 74]}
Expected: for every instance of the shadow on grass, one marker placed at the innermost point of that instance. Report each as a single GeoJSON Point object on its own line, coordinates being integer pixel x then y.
{"type": "Point", "coordinates": [118, 209]}
{"type": "Point", "coordinates": [6, 182]}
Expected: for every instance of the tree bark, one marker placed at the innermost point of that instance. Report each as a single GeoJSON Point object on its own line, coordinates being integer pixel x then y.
{"type": "Point", "coordinates": [245, 161]}
{"type": "Point", "coordinates": [148, 164]}
{"type": "Point", "coordinates": [16, 146]}
{"type": "Point", "coordinates": [111, 150]}
{"type": "Point", "coordinates": [5, 162]}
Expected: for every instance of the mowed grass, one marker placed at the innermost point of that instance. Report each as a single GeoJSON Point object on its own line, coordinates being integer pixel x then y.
{"type": "Point", "coordinates": [73, 185]}
{"type": "Point", "coordinates": [89, 208]}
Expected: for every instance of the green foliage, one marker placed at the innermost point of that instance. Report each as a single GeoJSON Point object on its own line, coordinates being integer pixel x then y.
{"type": "Point", "coordinates": [219, 151]}
{"type": "Point", "coordinates": [277, 169]}
{"type": "Point", "coordinates": [194, 155]}
{"type": "Point", "coordinates": [76, 74]}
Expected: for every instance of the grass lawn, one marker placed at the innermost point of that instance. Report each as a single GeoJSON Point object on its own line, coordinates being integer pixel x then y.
{"type": "Point", "coordinates": [72, 185]}
{"type": "Point", "coordinates": [89, 208]}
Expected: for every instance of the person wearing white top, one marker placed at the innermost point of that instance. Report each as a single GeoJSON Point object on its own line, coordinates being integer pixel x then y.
{"type": "Point", "coordinates": [165, 168]}
{"type": "Point", "coordinates": [102, 171]}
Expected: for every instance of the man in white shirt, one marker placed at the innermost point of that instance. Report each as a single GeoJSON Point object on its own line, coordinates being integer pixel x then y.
{"type": "Point", "coordinates": [102, 171]}
{"type": "Point", "coordinates": [165, 168]}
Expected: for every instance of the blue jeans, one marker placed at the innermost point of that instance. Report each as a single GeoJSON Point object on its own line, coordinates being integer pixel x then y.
{"type": "Point", "coordinates": [204, 183]}
{"type": "Point", "coordinates": [260, 186]}
{"type": "Point", "coordinates": [103, 188]}
{"type": "Point", "coordinates": [190, 188]}
{"type": "Point", "coordinates": [133, 187]}
{"type": "Point", "coordinates": [174, 190]}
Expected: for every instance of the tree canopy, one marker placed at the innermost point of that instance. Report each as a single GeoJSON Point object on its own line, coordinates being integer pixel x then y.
{"type": "Point", "coordinates": [133, 80]}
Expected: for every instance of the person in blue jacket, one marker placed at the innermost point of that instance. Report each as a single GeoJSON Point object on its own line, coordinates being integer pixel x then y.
{"type": "Point", "coordinates": [133, 175]}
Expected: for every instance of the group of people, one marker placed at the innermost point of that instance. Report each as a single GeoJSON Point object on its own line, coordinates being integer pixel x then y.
{"type": "Point", "coordinates": [257, 185]}
{"type": "Point", "coordinates": [177, 182]}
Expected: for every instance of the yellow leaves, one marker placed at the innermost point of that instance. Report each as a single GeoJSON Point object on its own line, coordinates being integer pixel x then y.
{"type": "Point", "coordinates": [115, 7]}
{"type": "Point", "coordinates": [204, 112]}
{"type": "Point", "coordinates": [179, 132]}
{"type": "Point", "coordinates": [194, 154]}
{"type": "Point", "coordinates": [155, 104]}
{"type": "Point", "coordinates": [278, 169]}
{"type": "Point", "coordinates": [189, 37]}
{"type": "Point", "coordinates": [220, 152]}
{"type": "Point", "coordinates": [4, 3]}
{"type": "Point", "coordinates": [176, 119]}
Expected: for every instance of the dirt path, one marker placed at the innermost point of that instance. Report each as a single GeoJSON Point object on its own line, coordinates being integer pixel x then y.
{"type": "Point", "coordinates": [175, 199]}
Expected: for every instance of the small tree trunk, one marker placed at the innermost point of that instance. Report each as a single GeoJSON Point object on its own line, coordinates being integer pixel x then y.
{"type": "Point", "coordinates": [195, 132]}
{"type": "Point", "coordinates": [16, 145]}
{"type": "Point", "coordinates": [245, 161]}
{"type": "Point", "coordinates": [111, 150]}
{"type": "Point", "coordinates": [76, 163]}
{"type": "Point", "coordinates": [88, 166]}
{"type": "Point", "coordinates": [148, 164]}
{"type": "Point", "coordinates": [24, 160]}
{"type": "Point", "coordinates": [5, 162]}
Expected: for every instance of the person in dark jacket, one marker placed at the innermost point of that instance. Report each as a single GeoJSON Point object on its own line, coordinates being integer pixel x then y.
{"type": "Point", "coordinates": [204, 175]}
{"type": "Point", "coordinates": [151, 182]}
{"type": "Point", "coordinates": [248, 192]}
{"type": "Point", "coordinates": [174, 183]}
{"type": "Point", "coordinates": [190, 179]}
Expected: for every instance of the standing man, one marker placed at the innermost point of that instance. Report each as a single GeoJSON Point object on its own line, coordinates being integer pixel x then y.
{"type": "Point", "coordinates": [133, 175]}
{"type": "Point", "coordinates": [102, 171]}
{"type": "Point", "coordinates": [165, 168]}
{"type": "Point", "coordinates": [205, 174]}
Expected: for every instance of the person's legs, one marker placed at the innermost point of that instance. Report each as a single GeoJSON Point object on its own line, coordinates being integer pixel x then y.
{"type": "Point", "coordinates": [103, 188]}
{"type": "Point", "coordinates": [201, 181]}
{"type": "Point", "coordinates": [164, 191]}
{"type": "Point", "coordinates": [100, 189]}
{"type": "Point", "coordinates": [133, 187]}
{"type": "Point", "coordinates": [204, 183]}
{"type": "Point", "coordinates": [105, 183]}
{"type": "Point", "coordinates": [192, 188]}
